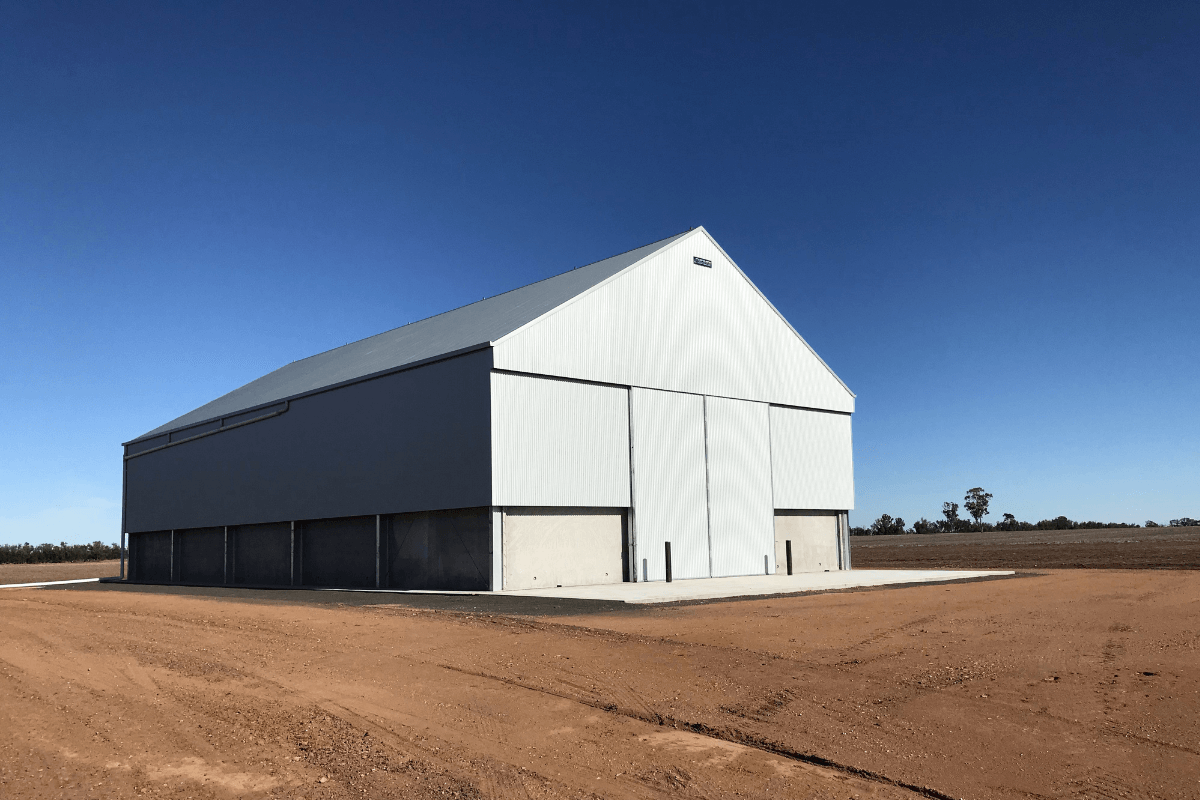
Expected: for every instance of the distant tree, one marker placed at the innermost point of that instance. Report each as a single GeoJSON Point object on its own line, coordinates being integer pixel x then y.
{"type": "Point", "coordinates": [925, 526]}
{"type": "Point", "coordinates": [1008, 523]}
{"type": "Point", "coordinates": [976, 503]}
{"type": "Point", "coordinates": [1185, 522]}
{"type": "Point", "coordinates": [1059, 523]}
{"type": "Point", "coordinates": [886, 526]}
{"type": "Point", "coordinates": [950, 512]}
{"type": "Point", "coordinates": [1152, 524]}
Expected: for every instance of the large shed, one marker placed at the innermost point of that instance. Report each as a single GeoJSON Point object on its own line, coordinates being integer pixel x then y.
{"type": "Point", "coordinates": [644, 417]}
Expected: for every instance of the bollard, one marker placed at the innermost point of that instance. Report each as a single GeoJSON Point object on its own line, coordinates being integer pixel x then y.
{"type": "Point", "coordinates": [668, 549]}
{"type": "Point", "coordinates": [788, 547]}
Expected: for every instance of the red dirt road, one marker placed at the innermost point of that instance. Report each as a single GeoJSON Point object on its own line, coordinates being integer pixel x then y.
{"type": "Point", "coordinates": [1070, 684]}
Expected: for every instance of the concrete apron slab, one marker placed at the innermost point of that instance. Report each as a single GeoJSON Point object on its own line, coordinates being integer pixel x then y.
{"type": "Point", "coordinates": [751, 585]}
{"type": "Point", "coordinates": [697, 588]}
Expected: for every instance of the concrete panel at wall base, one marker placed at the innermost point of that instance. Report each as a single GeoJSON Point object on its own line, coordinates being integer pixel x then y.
{"type": "Point", "coordinates": [408, 441]}
{"type": "Point", "coordinates": [669, 484]}
{"type": "Point", "coordinates": [741, 514]}
{"type": "Point", "coordinates": [261, 555]}
{"type": "Point", "coordinates": [814, 538]}
{"type": "Point", "coordinates": [200, 555]}
{"type": "Point", "coordinates": [150, 557]}
{"type": "Point", "coordinates": [439, 550]}
{"type": "Point", "coordinates": [559, 443]}
{"type": "Point", "coordinates": [338, 552]}
{"type": "Point", "coordinates": [812, 459]}
{"type": "Point", "coordinates": [549, 547]}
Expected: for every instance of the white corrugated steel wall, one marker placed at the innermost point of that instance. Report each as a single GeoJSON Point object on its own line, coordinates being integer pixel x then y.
{"type": "Point", "coordinates": [671, 324]}
{"type": "Point", "coordinates": [558, 443]}
{"type": "Point", "coordinates": [741, 513]}
{"type": "Point", "coordinates": [812, 463]}
{"type": "Point", "coordinates": [670, 495]}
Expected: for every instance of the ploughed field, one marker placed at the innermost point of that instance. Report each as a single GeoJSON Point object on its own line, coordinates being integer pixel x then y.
{"type": "Point", "coordinates": [71, 570]}
{"type": "Point", "coordinates": [1073, 683]}
{"type": "Point", "coordinates": [1111, 548]}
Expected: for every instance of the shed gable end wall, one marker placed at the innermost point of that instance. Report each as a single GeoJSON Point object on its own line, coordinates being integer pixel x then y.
{"type": "Point", "coordinates": [672, 324]}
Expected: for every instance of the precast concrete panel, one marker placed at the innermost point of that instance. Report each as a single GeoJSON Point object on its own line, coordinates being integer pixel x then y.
{"type": "Point", "coordinates": [740, 510]}
{"type": "Point", "coordinates": [671, 323]}
{"type": "Point", "coordinates": [670, 496]}
{"type": "Point", "coordinates": [200, 555]}
{"type": "Point", "coordinates": [559, 443]}
{"type": "Point", "coordinates": [550, 547]}
{"type": "Point", "coordinates": [812, 462]}
{"type": "Point", "coordinates": [814, 536]}
{"type": "Point", "coordinates": [447, 550]}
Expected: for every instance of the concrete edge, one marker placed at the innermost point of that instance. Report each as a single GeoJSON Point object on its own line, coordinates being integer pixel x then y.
{"type": "Point", "coordinates": [40, 584]}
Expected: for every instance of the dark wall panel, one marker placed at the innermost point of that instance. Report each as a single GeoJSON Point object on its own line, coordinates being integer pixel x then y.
{"type": "Point", "coordinates": [261, 554]}
{"type": "Point", "coordinates": [200, 555]}
{"type": "Point", "coordinates": [410, 441]}
{"type": "Point", "coordinates": [447, 550]}
{"type": "Point", "coordinates": [150, 557]}
{"type": "Point", "coordinates": [339, 552]}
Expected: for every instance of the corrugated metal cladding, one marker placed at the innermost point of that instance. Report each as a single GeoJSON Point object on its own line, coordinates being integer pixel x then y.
{"type": "Point", "coordinates": [471, 325]}
{"type": "Point", "coordinates": [812, 463]}
{"type": "Point", "coordinates": [741, 514]}
{"type": "Point", "coordinates": [559, 443]}
{"type": "Point", "coordinates": [669, 483]}
{"type": "Point", "coordinates": [671, 324]}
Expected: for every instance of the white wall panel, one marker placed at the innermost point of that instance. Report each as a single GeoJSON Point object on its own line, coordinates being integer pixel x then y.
{"type": "Point", "coordinates": [812, 462]}
{"type": "Point", "coordinates": [671, 324]}
{"type": "Point", "coordinates": [669, 491]}
{"type": "Point", "coordinates": [741, 512]}
{"type": "Point", "coordinates": [549, 547]}
{"type": "Point", "coordinates": [559, 443]}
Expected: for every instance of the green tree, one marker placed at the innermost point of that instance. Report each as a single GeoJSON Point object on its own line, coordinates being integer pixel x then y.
{"type": "Point", "coordinates": [950, 512]}
{"type": "Point", "coordinates": [976, 503]}
{"type": "Point", "coordinates": [1008, 522]}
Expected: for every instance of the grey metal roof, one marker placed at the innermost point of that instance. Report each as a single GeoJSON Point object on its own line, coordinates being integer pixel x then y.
{"type": "Point", "coordinates": [464, 328]}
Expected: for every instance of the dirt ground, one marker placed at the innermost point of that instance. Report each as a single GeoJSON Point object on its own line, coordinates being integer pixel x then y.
{"type": "Point", "coordinates": [1112, 548]}
{"type": "Point", "coordinates": [31, 573]}
{"type": "Point", "coordinates": [1074, 683]}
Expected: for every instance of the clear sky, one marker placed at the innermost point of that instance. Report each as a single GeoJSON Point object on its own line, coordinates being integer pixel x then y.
{"type": "Point", "coordinates": [985, 218]}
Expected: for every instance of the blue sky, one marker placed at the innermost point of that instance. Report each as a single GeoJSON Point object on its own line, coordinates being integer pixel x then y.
{"type": "Point", "coordinates": [985, 218]}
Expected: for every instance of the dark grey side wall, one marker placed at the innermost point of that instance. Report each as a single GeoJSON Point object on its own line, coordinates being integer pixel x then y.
{"type": "Point", "coordinates": [410, 441]}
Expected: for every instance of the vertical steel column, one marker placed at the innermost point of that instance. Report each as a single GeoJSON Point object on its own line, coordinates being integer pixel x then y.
{"type": "Point", "coordinates": [707, 487]}
{"type": "Point", "coordinates": [171, 567]}
{"type": "Point", "coordinates": [122, 555]}
{"type": "Point", "coordinates": [292, 557]}
{"type": "Point", "coordinates": [378, 519]}
{"type": "Point", "coordinates": [225, 560]}
{"type": "Point", "coordinates": [845, 515]}
{"type": "Point", "coordinates": [497, 580]}
{"type": "Point", "coordinates": [633, 574]}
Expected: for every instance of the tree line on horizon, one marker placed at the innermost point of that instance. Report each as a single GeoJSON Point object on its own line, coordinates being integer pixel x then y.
{"type": "Point", "coordinates": [57, 553]}
{"type": "Point", "coordinates": [976, 504]}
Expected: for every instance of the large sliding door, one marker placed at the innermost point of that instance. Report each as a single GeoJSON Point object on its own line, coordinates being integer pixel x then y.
{"type": "Point", "coordinates": [670, 493]}
{"type": "Point", "coordinates": [740, 510]}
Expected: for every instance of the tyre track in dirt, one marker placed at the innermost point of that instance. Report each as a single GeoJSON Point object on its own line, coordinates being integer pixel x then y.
{"type": "Point", "coordinates": [731, 735]}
